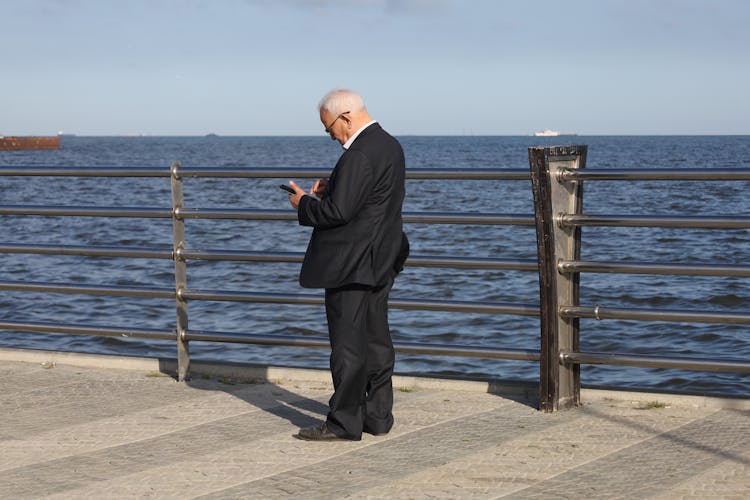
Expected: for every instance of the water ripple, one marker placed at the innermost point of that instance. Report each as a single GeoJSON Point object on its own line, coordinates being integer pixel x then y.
{"type": "Point", "coordinates": [510, 197]}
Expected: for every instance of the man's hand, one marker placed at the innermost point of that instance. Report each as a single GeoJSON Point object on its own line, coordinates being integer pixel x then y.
{"type": "Point", "coordinates": [319, 188]}
{"type": "Point", "coordinates": [297, 196]}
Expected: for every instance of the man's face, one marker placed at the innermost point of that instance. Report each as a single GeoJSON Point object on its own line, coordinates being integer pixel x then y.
{"type": "Point", "coordinates": [334, 125]}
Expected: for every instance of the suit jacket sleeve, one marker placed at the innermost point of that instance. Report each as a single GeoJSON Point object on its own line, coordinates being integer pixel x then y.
{"type": "Point", "coordinates": [348, 188]}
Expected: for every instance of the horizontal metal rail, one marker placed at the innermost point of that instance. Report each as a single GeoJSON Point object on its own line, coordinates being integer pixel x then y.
{"type": "Point", "coordinates": [410, 304]}
{"type": "Point", "coordinates": [411, 173]}
{"type": "Point", "coordinates": [102, 331]}
{"type": "Point", "coordinates": [35, 171]}
{"type": "Point", "coordinates": [679, 315]}
{"type": "Point", "coordinates": [402, 347]}
{"type": "Point", "coordinates": [469, 218]}
{"type": "Point", "coordinates": [413, 261]}
{"type": "Point", "coordinates": [656, 174]}
{"type": "Point", "coordinates": [710, 222]}
{"type": "Point", "coordinates": [466, 351]}
{"type": "Point", "coordinates": [266, 298]}
{"type": "Point", "coordinates": [591, 266]}
{"type": "Point", "coordinates": [253, 214]}
{"type": "Point", "coordinates": [681, 363]}
{"type": "Point", "coordinates": [252, 173]}
{"type": "Point", "coordinates": [472, 263]}
{"type": "Point", "coordinates": [120, 291]}
{"type": "Point", "coordinates": [234, 213]}
{"type": "Point", "coordinates": [416, 217]}
{"type": "Point", "coordinates": [240, 255]}
{"type": "Point", "coordinates": [90, 251]}
{"type": "Point", "coordinates": [140, 212]}
{"type": "Point", "coordinates": [222, 172]}
{"type": "Point", "coordinates": [251, 256]}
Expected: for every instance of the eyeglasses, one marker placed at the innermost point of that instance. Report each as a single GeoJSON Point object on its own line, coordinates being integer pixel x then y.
{"type": "Point", "coordinates": [328, 128]}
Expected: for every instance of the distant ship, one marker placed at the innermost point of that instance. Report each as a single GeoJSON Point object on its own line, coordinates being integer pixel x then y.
{"type": "Point", "coordinates": [18, 143]}
{"type": "Point", "coordinates": [551, 133]}
{"type": "Point", "coordinates": [547, 133]}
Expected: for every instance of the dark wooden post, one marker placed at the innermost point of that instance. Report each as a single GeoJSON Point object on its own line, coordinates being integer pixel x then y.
{"type": "Point", "coordinates": [559, 383]}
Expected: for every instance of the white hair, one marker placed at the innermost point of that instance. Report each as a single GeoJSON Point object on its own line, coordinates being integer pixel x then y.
{"type": "Point", "coordinates": [340, 101]}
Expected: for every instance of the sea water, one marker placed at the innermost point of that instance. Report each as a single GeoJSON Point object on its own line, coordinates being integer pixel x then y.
{"type": "Point", "coordinates": [701, 340]}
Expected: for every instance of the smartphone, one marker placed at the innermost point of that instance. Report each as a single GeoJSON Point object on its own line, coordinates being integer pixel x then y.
{"type": "Point", "coordinates": [287, 189]}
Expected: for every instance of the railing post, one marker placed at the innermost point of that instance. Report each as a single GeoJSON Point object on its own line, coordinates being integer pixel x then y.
{"type": "Point", "coordinates": [559, 382]}
{"type": "Point", "coordinates": [180, 274]}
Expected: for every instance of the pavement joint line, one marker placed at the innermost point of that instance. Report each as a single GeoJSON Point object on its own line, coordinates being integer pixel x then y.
{"type": "Point", "coordinates": [321, 446]}
{"type": "Point", "coordinates": [379, 457]}
{"type": "Point", "coordinates": [674, 429]}
{"type": "Point", "coordinates": [312, 446]}
{"type": "Point", "coordinates": [249, 409]}
{"type": "Point", "coordinates": [71, 405]}
{"type": "Point", "coordinates": [363, 446]}
{"type": "Point", "coordinates": [490, 446]}
{"type": "Point", "coordinates": [167, 434]}
{"type": "Point", "coordinates": [547, 445]}
{"type": "Point", "coordinates": [110, 461]}
{"type": "Point", "coordinates": [687, 457]}
{"type": "Point", "coordinates": [719, 481]}
{"type": "Point", "coordinates": [652, 434]}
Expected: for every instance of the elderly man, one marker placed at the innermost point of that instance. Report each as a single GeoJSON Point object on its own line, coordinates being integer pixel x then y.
{"type": "Point", "coordinates": [356, 250]}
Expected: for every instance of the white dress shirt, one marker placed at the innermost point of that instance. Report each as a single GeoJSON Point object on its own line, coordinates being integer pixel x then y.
{"type": "Point", "coordinates": [348, 143]}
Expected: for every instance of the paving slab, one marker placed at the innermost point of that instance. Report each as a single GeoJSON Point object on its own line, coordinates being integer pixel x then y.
{"type": "Point", "coordinates": [77, 430]}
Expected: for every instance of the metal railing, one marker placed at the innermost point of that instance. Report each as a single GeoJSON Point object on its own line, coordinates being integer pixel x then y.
{"type": "Point", "coordinates": [558, 175]}
{"type": "Point", "coordinates": [180, 254]}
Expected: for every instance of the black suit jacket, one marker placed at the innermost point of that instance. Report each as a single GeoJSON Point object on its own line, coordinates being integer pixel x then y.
{"type": "Point", "coordinates": [357, 234]}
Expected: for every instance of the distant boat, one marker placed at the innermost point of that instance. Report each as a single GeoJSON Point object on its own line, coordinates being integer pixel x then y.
{"type": "Point", "coordinates": [19, 143]}
{"type": "Point", "coordinates": [551, 133]}
{"type": "Point", "coordinates": [547, 133]}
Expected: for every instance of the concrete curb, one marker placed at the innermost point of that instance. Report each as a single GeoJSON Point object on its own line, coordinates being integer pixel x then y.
{"type": "Point", "coordinates": [518, 390]}
{"type": "Point", "coordinates": [681, 400]}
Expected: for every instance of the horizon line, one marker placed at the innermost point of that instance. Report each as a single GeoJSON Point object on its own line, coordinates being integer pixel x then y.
{"type": "Point", "coordinates": [215, 135]}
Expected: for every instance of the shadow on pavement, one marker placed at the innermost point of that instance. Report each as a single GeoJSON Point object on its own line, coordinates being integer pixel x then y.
{"type": "Point", "coordinates": [259, 392]}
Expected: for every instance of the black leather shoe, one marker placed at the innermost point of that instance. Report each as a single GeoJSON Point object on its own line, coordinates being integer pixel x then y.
{"type": "Point", "coordinates": [319, 433]}
{"type": "Point", "coordinates": [369, 431]}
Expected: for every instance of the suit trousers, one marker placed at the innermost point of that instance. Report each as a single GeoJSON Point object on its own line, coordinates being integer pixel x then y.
{"type": "Point", "coordinates": [362, 360]}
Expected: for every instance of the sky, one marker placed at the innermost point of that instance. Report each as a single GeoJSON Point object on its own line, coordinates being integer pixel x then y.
{"type": "Point", "coordinates": [423, 67]}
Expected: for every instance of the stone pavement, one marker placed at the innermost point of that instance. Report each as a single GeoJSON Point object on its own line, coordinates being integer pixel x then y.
{"type": "Point", "coordinates": [76, 431]}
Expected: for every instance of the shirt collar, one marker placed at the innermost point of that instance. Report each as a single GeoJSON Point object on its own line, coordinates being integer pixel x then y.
{"type": "Point", "coordinates": [348, 143]}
